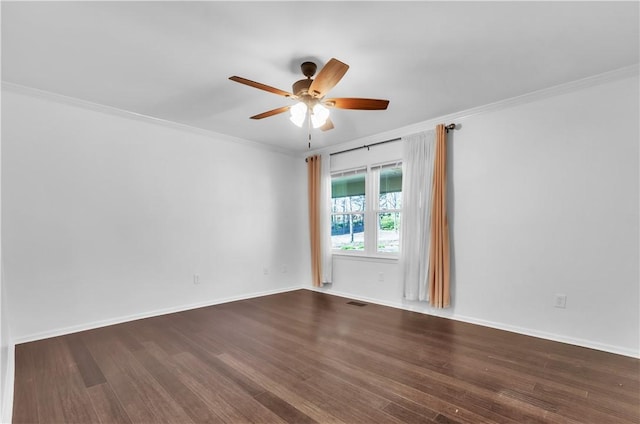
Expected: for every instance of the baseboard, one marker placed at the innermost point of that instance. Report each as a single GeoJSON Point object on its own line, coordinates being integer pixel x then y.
{"type": "Point", "coordinates": [328, 290]}
{"type": "Point", "coordinates": [7, 398]}
{"type": "Point", "coordinates": [148, 314]}
{"type": "Point", "coordinates": [552, 336]}
{"type": "Point", "coordinates": [491, 324]}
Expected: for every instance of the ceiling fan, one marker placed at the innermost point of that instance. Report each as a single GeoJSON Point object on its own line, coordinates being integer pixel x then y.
{"type": "Point", "coordinates": [312, 105]}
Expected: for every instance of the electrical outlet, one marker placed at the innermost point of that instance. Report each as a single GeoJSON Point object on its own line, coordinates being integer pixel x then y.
{"type": "Point", "coordinates": [196, 278]}
{"type": "Point", "coordinates": [265, 271]}
{"type": "Point", "coordinates": [380, 276]}
{"type": "Point", "coordinates": [561, 301]}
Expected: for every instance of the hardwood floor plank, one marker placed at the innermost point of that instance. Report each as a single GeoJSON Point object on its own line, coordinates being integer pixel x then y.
{"type": "Point", "coordinates": [416, 408]}
{"type": "Point", "coordinates": [142, 397]}
{"type": "Point", "coordinates": [431, 382]}
{"type": "Point", "coordinates": [443, 419]}
{"type": "Point", "coordinates": [346, 405]}
{"type": "Point", "coordinates": [206, 346]}
{"type": "Point", "coordinates": [229, 401]}
{"type": "Point", "coordinates": [89, 370]}
{"type": "Point", "coordinates": [60, 390]}
{"type": "Point", "coordinates": [347, 390]}
{"type": "Point", "coordinates": [107, 405]}
{"type": "Point", "coordinates": [305, 356]}
{"type": "Point", "coordinates": [405, 415]}
{"type": "Point", "coordinates": [573, 405]}
{"type": "Point", "coordinates": [304, 405]}
{"type": "Point", "coordinates": [155, 330]}
{"type": "Point", "coordinates": [263, 343]}
{"type": "Point", "coordinates": [133, 402]}
{"type": "Point", "coordinates": [108, 351]}
{"type": "Point", "coordinates": [25, 402]}
{"type": "Point", "coordinates": [393, 390]}
{"type": "Point", "coordinates": [284, 410]}
{"type": "Point", "coordinates": [126, 334]}
{"type": "Point", "coordinates": [165, 373]}
{"type": "Point", "coordinates": [348, 409]}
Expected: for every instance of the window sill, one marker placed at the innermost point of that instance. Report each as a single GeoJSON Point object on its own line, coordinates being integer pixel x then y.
{"type": "Point", "coordinates": [367, 258]}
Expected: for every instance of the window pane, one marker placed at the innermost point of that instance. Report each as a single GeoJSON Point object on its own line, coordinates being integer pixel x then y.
{"type": "Point", "coordinates": [348, 192]}
{"type": "Point", "coordinates": [347, 232]}
{"type": "Point", "coordinates": [348, 204]}
{"type": "Point", "coordinates": [391, 188]}
{"type": "Point", "coordinates": [391, 200]}
{"type": "Point", "coordinates": [348, 185]}
{"type": "Point", "coordinates": [389, 232]}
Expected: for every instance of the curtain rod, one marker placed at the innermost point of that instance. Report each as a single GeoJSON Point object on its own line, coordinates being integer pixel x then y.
{"type": "Point", "coordinates": [366, 146]}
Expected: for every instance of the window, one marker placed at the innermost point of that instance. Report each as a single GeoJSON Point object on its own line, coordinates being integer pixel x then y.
{"type": "Point", "coordinates": [366, 210]}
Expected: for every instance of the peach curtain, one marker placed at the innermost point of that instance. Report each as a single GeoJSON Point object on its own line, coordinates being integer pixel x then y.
{"type": "Point", "coordinates": [314, 175]}
{"type": "Point", "coordinates": [439, 271]}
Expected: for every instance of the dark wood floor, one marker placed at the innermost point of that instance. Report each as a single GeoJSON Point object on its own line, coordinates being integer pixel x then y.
{"type": "Point", "coordinates": [303, 357]}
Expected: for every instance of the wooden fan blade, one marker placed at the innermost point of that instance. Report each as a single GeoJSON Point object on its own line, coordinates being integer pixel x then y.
{"type": "Point", "coordinates": [261, 86]}
{"type": "Point", "coordinates": [271, 112]}
{"type": "Point", "coordinates": [357, 103]}
{"type": "Point", "coordinates": [327, 125]}
{"type": "Point", "coordinates": [327, 78]}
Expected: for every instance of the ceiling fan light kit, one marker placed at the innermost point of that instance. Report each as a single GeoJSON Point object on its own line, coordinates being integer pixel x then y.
{"type": "Point", "coordinates": [319, 115]}
{"type": "Point", "coordinates": [310, 94]}
{"type": "Point", "coordinates": [298, 113]}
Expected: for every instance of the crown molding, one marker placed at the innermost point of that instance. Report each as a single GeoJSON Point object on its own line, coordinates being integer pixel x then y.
{"type": "Point", "coordinates": [591, 81]}
{"type": "Point", "coordinates": [554, 91]}
{"type": "Point", "coordinates": [122, 113]}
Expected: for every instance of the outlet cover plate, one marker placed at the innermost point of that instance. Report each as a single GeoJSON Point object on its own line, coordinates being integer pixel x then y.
{"type": "Point", "coordinates": [561, 301]}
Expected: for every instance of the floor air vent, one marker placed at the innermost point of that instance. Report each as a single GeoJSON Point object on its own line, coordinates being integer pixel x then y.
{"type": "Point", "coordinates": [354, 303]}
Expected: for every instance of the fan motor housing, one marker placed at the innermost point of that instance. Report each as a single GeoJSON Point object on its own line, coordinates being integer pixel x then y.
{"type": "Point", "coordinates": [301, 87]}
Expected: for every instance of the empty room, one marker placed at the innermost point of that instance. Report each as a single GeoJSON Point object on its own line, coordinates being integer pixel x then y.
{"type": "Point", "coordinates": [320, 212]}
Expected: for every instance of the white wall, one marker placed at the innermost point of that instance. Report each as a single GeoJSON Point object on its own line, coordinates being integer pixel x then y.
{"type": "Point", "coordinates": [108, 216]}
{"type": "Point", "coordinates": [6, 350]}
{"type": "Point", "coordinates": [6, 358]}
{"type": "Point", "coordinates": [543, 200]}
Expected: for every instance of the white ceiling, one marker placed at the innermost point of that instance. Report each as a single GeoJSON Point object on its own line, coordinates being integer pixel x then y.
{"type": "Point", "coordinates": [172, 60]}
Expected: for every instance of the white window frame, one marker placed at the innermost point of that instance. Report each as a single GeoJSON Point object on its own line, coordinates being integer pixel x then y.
{"type": "Point", "coordinates": [371, 211]}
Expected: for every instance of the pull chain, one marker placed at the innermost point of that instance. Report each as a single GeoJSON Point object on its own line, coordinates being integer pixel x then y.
{"type": "Point", "coordinates": [309, 127]}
